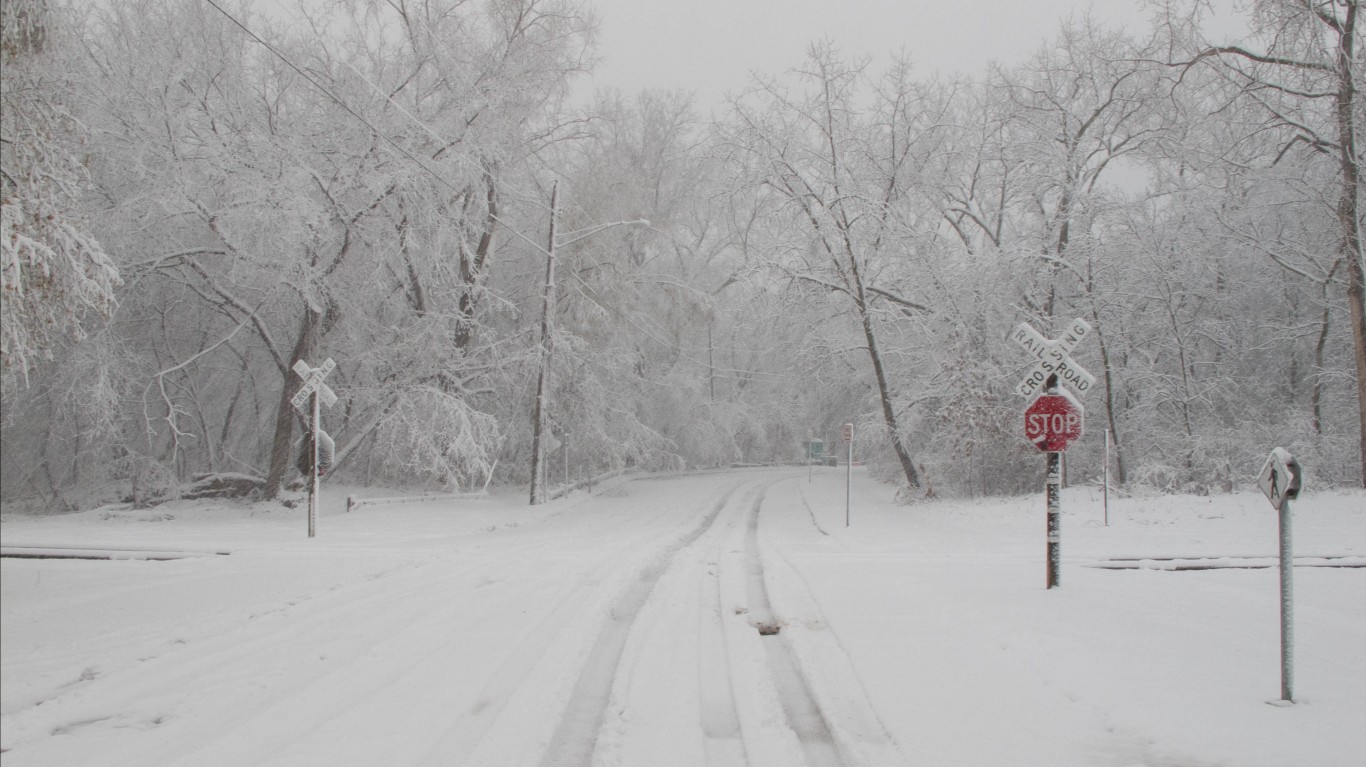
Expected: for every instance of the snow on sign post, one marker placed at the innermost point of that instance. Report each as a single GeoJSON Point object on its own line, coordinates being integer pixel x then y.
{"type": "Point", "coordinates": [1054, 420]}
{"type": "Point", "coordinates": [1281, 479]}
{"type": "Point", "coordinates": [311, 395]}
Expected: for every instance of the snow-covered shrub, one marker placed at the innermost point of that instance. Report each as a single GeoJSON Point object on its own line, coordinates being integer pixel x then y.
{"type": "Point", "coordinates": [436, 435]}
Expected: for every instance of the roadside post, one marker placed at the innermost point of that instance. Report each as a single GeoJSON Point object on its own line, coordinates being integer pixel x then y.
{"type": "Point", "coordinates": [1281, 479]}
{"type": "Point", "coordinates": [1107, 477]}
{"type": "Point", "coordinates": [815, 451]}
{"type": "Point", "coordinates": [807, 447]}
{"type": "Point", "coordinates": [313, 394]}
{"type": "Point", "coordinates": [1054, 419]}
{"type": "Point", "coordinates": [848, 438]}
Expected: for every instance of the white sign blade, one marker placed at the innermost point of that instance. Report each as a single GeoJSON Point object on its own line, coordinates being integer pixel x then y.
{"type": "Point", "coordinates": [1030, 340]}
{"type": "Point", "coordinates": [1066, 370]}
{"type": "Point", "coordinates": [1033, 382]}
{"type": "Point", "coordinates": [1074, 375]}
{"type": "Point", "coordinates": [1052, 358]}
{"type": "Point", "coordinates": [1074, 334]}
{"type": "Point", "coordinates": [300, 401]}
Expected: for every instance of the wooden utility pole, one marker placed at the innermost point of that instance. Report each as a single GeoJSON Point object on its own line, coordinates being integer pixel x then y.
{"type": "Point", "coordinates": [538, 415]}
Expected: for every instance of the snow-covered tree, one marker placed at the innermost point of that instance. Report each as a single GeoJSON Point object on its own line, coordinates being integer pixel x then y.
{"type": "Point", "coordinates": [55, 273]}
{"type": "Point", "coordinates": [840, 181]}
{"type": "Point", "coordinates": [1304, 68]}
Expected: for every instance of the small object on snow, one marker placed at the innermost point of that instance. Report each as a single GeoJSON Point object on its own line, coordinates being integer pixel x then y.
{"type": "Point", "coordinates": [768, 628]}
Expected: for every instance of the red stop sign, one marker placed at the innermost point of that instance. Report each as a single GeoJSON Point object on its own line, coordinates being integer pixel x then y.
{"type": "Point", "coordinates": [1052, 422]}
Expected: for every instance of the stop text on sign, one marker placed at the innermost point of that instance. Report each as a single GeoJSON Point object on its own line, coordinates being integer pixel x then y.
{"type": "Point", "coordinates": [1039, 425]}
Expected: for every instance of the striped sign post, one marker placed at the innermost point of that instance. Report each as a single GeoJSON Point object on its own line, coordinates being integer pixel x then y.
{"type": "Point", "coordinates": [1054, 417]}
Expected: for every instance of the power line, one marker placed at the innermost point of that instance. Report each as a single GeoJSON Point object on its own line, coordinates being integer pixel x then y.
{"type": "Point", "coordinates": [442, 180]}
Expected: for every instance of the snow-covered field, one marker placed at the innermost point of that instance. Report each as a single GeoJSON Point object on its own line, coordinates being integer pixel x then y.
{"type": "Point", "coordinates": [713, 619]}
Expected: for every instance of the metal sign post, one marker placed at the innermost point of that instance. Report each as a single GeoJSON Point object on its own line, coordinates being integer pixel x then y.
{"type": "Point", "coordinates": [313, 470]}
{"type": "Point", "coordinates": [848, 469]}
{"type": "Point", "coordinates": [1281, 478]}
{"type": "Point", "coordinates": [1053, 422]}
{"type": "Point", "coordinates": [1107, 477]}
{"type": "Point", "coordinates": [313, 393]}
{"type": "Point", "coordinates": [1055, 419]}
{"type": "Point", "coordinates": [815, 451]}
{"type": "Point", "coordinates": [1053, 492]}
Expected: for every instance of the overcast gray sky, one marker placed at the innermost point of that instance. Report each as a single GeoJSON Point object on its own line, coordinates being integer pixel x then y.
{"type": "Point", "coordinates": [711, 46]}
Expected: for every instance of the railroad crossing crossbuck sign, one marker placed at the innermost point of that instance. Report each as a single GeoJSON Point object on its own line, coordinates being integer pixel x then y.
{"type": "Point", "coordinates": [313, 382]}
{"type": "Point", "coordinates": [1053, 421]}
{"type": "Point", "coordinates": [1053, 358]}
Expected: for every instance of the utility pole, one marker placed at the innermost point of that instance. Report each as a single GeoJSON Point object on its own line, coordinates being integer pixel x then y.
{"type": "Point", "coordinates": [539, 474]}
{"type": "Point", "coordinates": [538, 413]}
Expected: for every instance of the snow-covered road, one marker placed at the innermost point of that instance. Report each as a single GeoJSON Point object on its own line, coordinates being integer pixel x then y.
{"type": "Point", "coordinates": [712, 619]}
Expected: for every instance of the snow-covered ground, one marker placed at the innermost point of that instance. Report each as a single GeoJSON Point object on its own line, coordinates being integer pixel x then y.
{"type": "Point", "coordinates": [713, 619]}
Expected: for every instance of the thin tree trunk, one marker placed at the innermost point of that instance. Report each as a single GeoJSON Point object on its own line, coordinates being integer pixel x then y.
{"type": "Point", "coordinates": [1108, 375]}
{"type": "Point", "coordinates": [1356, 297]}
{"type": "Point", "coordinates": [875, 356]}
{"type": "Point", "coordinates": [711, 361]}
{"type": "Point", "coordinates": [888, 412]}
{"type": "Point", "coordinates": [1316, 398]}
{"type": "Point", "coordinates": [472, 267]}
{"type": "Point", "coordinates": [284, 413]}
{"type": "Point", "coordinates": [1348, 210]}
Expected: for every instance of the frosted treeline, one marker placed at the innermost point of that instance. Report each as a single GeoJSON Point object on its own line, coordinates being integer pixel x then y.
{"type": "Point", "coordinates": [198, 195]}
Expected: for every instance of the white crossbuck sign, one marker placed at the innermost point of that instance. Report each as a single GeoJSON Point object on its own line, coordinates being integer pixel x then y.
{"type": "Point", "coordinates": [313, 382]}
{"type": "Point", "coordinates": [1053, 358]}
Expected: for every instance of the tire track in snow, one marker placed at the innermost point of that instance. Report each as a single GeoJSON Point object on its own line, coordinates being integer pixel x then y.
{"type": "Point", "coordinates": [803, 713]}
{"type": "Point", "coordinates": [751, 703]}
{"type": "Point", "coordinates": [328, 647]}
{"type": "Point", "coordinates": [860, 737]}
{"type": "Point", "coordinates": [142, 695]}
{"type": "Point", "coordinates": [723, 740]}
{"type": "Point", "coordinates": [575, 738]}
